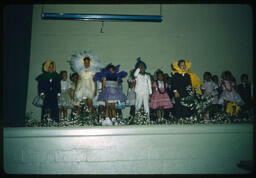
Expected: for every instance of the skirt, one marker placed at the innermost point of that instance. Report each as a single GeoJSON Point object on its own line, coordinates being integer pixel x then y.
{"type": "Point", "coordinates": [112, 94]}
{"type": "Point", "coordinates": [160, 100]}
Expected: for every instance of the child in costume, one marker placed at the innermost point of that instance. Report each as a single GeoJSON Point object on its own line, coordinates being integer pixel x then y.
{"type": "Point", "coordinates": [49, 89]}
{"type": "Point", "coordinates": [131, 95]}
{"type": "Point", "coordinates": [143, 86]}
{"type": "Point", "coordinates": [120, 105]}
{"type": "Point", "coordinates": [245, 91]}
{"type": "Point", "coordinates": [86, 64]}
{"type": "Point", "coordinates": [111, 93]}
{"type": "Point", "coordinates": [98, 105]}
{"type": "Point", "coordinates": [228, 91]}
{"type": "Point", "coordinates": [160, 99]}
{"type": "Point", "coordinates": [183, 79]}
{"type": "Point", "coordinates": [65, 96]}
{"type": "Point", "coordinates": [209, 87]}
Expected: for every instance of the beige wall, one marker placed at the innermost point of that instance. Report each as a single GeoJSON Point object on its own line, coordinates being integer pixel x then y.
{"type": "Point", "coordinates": [213, 37]}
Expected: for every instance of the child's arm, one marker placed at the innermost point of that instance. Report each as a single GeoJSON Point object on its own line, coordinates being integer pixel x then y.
{"type": "Point", "coordinates": [103, 83]}
{"type": "Point", "coordinates": [149, 86]}
{"type": "Point", "coordinates": [136, 73]}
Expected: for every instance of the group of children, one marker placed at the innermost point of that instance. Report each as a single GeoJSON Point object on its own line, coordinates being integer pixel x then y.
{"type": "Point", "coordinates": [101, 87]}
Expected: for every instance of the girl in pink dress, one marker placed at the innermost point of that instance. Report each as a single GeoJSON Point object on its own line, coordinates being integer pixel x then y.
{"type": "Point", "coordinates": [160, 99]}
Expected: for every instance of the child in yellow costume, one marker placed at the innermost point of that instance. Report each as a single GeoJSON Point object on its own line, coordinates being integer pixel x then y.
{"type": "Point", "coordinates": [183, 79]}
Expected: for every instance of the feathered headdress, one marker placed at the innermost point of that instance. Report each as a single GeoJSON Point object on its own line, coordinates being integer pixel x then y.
{"type": "Point", "coordinates": [106, 73]}
{"type": "Point", "coordinates": [77, 61]}
{"type": "Point", "coordinates": [139, 61]}
{"type": "Point", "coordinates": [195, 80]}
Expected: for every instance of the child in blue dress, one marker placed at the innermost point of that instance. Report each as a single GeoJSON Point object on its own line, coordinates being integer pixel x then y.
{"type": "Point", "coordinates": [111, 93]}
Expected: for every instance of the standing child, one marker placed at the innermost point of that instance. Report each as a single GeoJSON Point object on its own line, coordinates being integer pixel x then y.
{"type": "Point", "coordinates": [111, 93]}
{"type": "Point", "coordinates": [245, 89]}
{"type": "Point", "coordinates": [228, 90]}
{"type": "Point", "coordinates": [183, 79]}
{"type": "Point", "coordinates": [49, 89]}
{"type": "Point", "coordinates": [160, 99]}
{"type": "Point", "coordinates": [209, 87]}
{"type": "Point", "coordinates": [65, 96]}
{"type": "Point", "coordinates": [120, 105]}
{"type": "Point", "coordinates": [143, 86]}
{"type": "Point", "coordinates": [131, 96]}
{"type": "Point", "coordinates": [86, 65]}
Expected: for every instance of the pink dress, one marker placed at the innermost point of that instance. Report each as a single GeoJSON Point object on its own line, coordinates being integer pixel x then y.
{"type": "Point", "coordinates": [158, 99]}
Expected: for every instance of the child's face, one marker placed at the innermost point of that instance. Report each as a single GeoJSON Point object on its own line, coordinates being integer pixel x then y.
{"type": "Point", "coordinates": [182, 66]}
{"type": "Point", "coordinates": [64, 76]}
{"type": "Point", "coordinates": [206, 77]}
{"type": "Point", "coordinates": [160, 77]}
{"type": "Point", "coordinates": [75, 78]}
{"type": "Point", "coordinates": [51, 68]}
{"type": "Point", "coordinates": [215, 79]}
{"type": "Point", "coordinates": [86, 63]}
{"type": "Point", "coordinates": [142, 68]}
{"type": "Point", "coordinates": [245, 80]}
{"type": "Point", "coordinates": [112, 70]}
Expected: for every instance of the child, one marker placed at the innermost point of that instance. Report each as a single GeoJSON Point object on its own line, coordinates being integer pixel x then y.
{"type": "Point", "coordinates": [160, 99]}
{"type": "Point", "coordinates": [215, 79]}
{"type": "Point", "coordinates": [183, 79]}
{"type": "Point", "coordinates": [65, 96]}
{"type": "Point", "coordinates": [86, 65]}
{"type": "Point", "coordinates": [229, 93]}
{"type": "Point", "coordinates": [111, 93]}
{"type": "Point", "coordinates": [143, 86]}
{"type": "Point", "coordinates": [209, 87]}
{"type": "Point", "coordinates": [74, 78]}
{"type": "Point", "coordinates": [120, 105]}
{"type": "Point", "coordinates": [244, 89]}
{"type": "Point", "coordinates": [131, 96]}
{"type": "Point", "coordinates": [49, 89]}
{"type": "Point", "coordinates": [98, 105]}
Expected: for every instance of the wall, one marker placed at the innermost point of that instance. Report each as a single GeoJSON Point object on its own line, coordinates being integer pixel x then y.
{"type": "Point", "coordinates": [214, 37]}
{"type": "Point", "coordinates": [173, 149]}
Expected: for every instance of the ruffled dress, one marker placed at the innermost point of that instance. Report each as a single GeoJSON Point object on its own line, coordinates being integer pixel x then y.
{"type": "Point", "coordinates": [85, 86]}
{"type": "Point", "coordinates": [229, 93]}
{"type": "Point", "coordinates": [160, 99]}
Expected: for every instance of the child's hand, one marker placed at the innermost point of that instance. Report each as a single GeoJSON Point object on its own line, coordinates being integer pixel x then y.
{"type": "Point", "coordinates": [176, 94]}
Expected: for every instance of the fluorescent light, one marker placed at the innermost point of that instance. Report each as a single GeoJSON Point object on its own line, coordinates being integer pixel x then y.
{"type": "Point", "coordinates": [102, 17]}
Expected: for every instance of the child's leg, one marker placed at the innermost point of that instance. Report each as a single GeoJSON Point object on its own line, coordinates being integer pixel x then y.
{"type": "Point", "coordinates": [138, 101]}
{"type": "Point", "coordinates": [89, 104]}
{"type": "Point", "coordinates": [162, 113]}
{"type": "Point", "coordinates": [145, 103]}
{"type": "Point", "coordinates": [113, 110]}
{"type": "Point", "coordinates": [107, 109]}
{"type": "Point", "coordinates": [65, 111]}
{"type": "Point", "coordinates": [60, 112]}
{"type": "Point", "coordinates": [132, 111]}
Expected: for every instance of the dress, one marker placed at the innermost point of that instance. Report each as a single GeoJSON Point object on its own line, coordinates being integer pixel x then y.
{"type": "Point", "coordinates": [160, 99]}
{"type": "Point", "coordinates": [65, 99]}
{"type": "Point", "coordinates": [210, 88]}
{"type": "Point", "coordinates": [85, 86]}
{"type": "Point", "coordinates": [120, 105]}
{"type": "Point", "coordinates": [111, 93]}
{"type": "Point", "coordinates": [229, 93]}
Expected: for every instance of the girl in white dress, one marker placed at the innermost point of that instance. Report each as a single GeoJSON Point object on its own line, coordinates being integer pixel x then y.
{"type": "Point", "coordinates": [86, 65]}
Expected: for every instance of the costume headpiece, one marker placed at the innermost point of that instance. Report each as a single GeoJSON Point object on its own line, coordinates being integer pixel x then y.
{"type": "Point", "coordinates": [106, 73]}
{"type": "Point", "coordinates": [139, 61]}
{"type": "Point", "coordinates": [47, 64]}
{"type": "Point", "coordinates": [77, 61]}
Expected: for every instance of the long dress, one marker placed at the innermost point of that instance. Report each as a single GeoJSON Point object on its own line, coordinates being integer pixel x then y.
{"type": "Point", "coordinates": [85, 85]}
{"type": "Point", "coordinates": [160, 99]}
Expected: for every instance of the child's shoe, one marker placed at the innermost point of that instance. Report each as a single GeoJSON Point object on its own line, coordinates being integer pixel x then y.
{"type": "Point", "coordinates": [107, 121]}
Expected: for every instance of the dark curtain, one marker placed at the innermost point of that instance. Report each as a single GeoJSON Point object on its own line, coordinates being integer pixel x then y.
{"type": "Point", "coordinates": [17, 24]}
